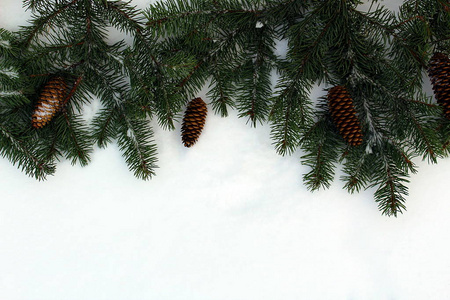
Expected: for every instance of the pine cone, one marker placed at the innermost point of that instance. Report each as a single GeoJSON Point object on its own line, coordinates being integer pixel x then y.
{"type": "Point", "coordinates": [193, 121]}
{"type": "Point", "coordinates": [344, 115]}
{"type": "Point", "coordinates": [439, 73]}
{"type": "Point", "coordinates": [50, 101]}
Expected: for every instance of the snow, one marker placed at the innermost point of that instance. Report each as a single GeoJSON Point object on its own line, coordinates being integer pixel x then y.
{"type": "Point", "coordinates": [227, 219]}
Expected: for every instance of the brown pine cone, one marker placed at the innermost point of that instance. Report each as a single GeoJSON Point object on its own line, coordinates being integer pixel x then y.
{"type": "Point", "coordinates": [439, 73]}
{"type": "Point", "coordinates": [344, 116]}
{"type": "Point", "coordinates": [193, 121]}
{"type": "Point", "coordinates": [50, 101]}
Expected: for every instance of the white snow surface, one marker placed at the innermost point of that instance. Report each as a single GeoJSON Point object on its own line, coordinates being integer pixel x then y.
{"type": "Point", "coordinates": [227, 219]}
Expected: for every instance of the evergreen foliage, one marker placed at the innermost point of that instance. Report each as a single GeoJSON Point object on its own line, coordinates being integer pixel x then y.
{"type": "Point", "coordinates": [177, 47]}
{"type": "Point", "coordinates": [16, 141]}
{"type": "Point", "coordinates": [70, 39]}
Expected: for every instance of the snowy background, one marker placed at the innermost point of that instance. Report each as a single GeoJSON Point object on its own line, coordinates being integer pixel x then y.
{"type": "Point", "coordinates": [228, 219]}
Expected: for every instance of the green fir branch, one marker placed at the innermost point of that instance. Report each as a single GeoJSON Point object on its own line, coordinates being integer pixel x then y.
{"type": "Point", "coordinates": [104, 126]}
{"type": "Point", "coordinates": [222, 91]}
{"type": "Point", "coordinates": [391, 191]}
{"type": "Point", "coordinates": [322, 152]}
{"type": "Point", "coordinates": [19, 152]}
{"type": "Point", "coordinates": [175, 48]}
{"type": "Point", "coordinates": [255, 86]}
{"type": "Point", "coordinates": [135, 141]}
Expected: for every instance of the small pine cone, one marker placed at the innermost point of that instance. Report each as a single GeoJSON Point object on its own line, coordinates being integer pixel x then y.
{"type": "Point", "coordinates": [344, 115]}
{"type": "Point", "coordinates": [193, 121]}
{"type": "Point", "coordinates": [50, 101]}
{"type": "Point", "coordinates": [439, 73]}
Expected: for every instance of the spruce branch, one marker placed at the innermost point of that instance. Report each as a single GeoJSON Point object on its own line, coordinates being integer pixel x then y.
{"type": "Point", "coordinates": [16, 142]}
{"type": "Point", "coordinates": [45, 20]}
{"type": "Point", "coordinates": [17, 150]}
{"type": "Point", "coordinates": [135, 141]}
{"type": "Point", "coordinates": [78, 146]}
{"type": "Point", "coordinates": [321, 155]}
{"type": "Point", "coordinates": [179, 47]}
{"type": "Point", "coordinates": [290, 115]}
{"type": "Point", "coordinates": [70, 38]}
{"type": "Point", "coordinates": [357, 168]}
{"type": "Point", "coordinates": [255, 74]}
{"type": "Point", "coordinates": [391, 191]}
{"type": "Point", "coordinates": [222, 91]}
{"type": "Point", "coordinates": [104, 126]}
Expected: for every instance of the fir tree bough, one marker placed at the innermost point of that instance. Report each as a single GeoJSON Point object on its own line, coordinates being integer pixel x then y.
{"type": "Point", "coordinates": [175, 48]}
{"type": "Point", "coordinates": [69, 40]}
